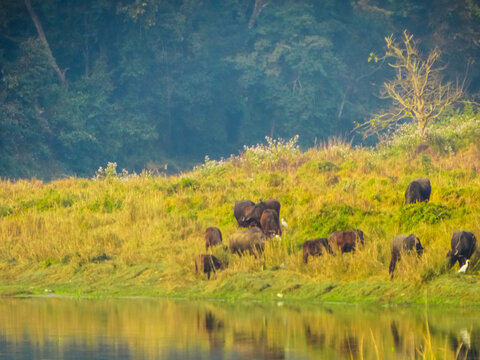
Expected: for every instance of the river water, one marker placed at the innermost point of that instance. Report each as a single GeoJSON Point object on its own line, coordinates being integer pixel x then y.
{"type": "Point", "coordinates": [138, 328]}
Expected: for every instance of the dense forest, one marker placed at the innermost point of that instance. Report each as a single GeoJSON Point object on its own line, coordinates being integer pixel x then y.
{"type": "Point", "coordinates": [149, 83]}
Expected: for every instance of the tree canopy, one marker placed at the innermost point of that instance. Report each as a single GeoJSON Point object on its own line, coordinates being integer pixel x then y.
{"type": "Point", "coordinates": [152, 82]}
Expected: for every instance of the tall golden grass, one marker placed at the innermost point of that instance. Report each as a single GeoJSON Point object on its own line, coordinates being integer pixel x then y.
{"type": "Point", "coordinates": [116, 221]}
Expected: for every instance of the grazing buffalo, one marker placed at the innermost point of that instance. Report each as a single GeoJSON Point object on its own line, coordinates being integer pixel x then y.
{"type": "Point", "coordinates": [251, 240]}
{"type": "Point", "coordinates": [253, 215]}
{"type": "Point", "coordinates": [346, 240]}
{"type": "Point", "coordinates": [418, 190]}
{"type": "Point", "coordinates": [463, 244]}
{"type": "Point", "coordinates": [315, 247]}
{"type": "Point", "coordinates": [270, 223]}
{"type": "Point", "coordinates": [213, 236]}
{"type": "Point", "coordinates": [405, 243]}
{"type": "Point", "coordinates": [206, 263]}
{"type": "Point", "coordinates": [239, 211]}
{"type": "Point", "coordinates": [273, 204]}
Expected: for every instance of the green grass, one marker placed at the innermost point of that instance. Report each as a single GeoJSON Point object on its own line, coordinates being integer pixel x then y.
{"type": "Point", "coordinates": [121, 234]}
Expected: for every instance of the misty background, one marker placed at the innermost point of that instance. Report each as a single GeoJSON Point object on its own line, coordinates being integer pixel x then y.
{"type": "Point", "coordinates": [167, 82]}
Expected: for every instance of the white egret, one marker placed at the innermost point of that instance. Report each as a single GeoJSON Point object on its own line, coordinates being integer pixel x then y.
{"type": "Point", "coordinates": [465, 336]}
{"type": "Point", "coordinates": [464, 267]}
{"type": "Point", "coordinates": [284, 223]}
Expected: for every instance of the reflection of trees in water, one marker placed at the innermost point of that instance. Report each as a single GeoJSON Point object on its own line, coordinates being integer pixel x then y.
{"type": "Point", "coordinates": [157, 329]}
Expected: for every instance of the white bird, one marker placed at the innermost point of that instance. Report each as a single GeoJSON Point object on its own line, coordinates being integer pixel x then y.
{"type": "Point", "coordinates": [284, 223]}
{"type": "Point", "coordinates": [464, 267]}
{"type": "Point", "coordinates": [465, 336]}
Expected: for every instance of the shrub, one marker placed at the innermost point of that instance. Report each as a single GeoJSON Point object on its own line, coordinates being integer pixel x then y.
{"type": "Point", "coordinates": [447, 135]}
{"type": "Point", "coordinates": [326, 166]}
{"type": "Point", "coordinates": [276, 150]}
{"type": "Point", "coordinates": [332, 218]}
{"type": "Point", "coordinates": [210, 167]}
{"type": "Point", "coordinates": [429, 213]}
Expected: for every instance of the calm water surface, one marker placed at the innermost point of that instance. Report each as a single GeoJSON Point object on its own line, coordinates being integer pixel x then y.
{"type": "Point", "coordinates": [59, 328]}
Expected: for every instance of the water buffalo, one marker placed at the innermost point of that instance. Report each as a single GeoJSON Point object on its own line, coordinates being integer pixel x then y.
{"type": "Point", "coordinates": [253, 215]}
{"type": "Point", "coordinates": [463, 245]}
{"type": "Point", "coordinates": [346, 240]}
{"type": "Point", "coordinates": [405, 243]}
{"type": "Point", "coordinates": [273, 204]}
{"type": "Point", "coordinates": [270, 223]}
{"type": "Point", "coordinates": [251, 240]}
{"type": "Point", "coordinates": [239, 211]}
{"type": "Point", "coordinates": [206, 263]}
{"type": "Point", "coordinates": [213, 236]}
{"type": "Point", "coordinates": [418, 190]}
{"type": "Point", "coordinates": [315, 247]}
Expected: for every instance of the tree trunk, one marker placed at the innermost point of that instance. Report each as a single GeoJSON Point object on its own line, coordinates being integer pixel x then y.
{"type": "Point", "coordinates": [422, 124]}
{"type": "Point", "coordinates": [43, 39]}
{"type": "Point", "coordinates": [257, 9]}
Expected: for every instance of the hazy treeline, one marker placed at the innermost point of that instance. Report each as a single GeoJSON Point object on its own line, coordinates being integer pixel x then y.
{"type": "Point", "coordinates": [150, 82]}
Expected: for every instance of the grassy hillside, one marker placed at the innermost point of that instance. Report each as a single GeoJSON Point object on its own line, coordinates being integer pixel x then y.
{"type": "Point", "coordinates": [124, 234]}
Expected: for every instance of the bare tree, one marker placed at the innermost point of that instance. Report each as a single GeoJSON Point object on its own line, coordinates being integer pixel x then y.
{"type": "Point", "coordinates": [417, 91]}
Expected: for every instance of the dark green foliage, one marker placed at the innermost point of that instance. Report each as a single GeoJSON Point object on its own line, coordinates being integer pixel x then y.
{"type": "Point", "coordinates": [54, 198]}
{"type": "Point", "coordinates": [325, 166]}
{"type": "Point", "coordinates": [332, 218]}
{"type": "Point", "coordinates": [100, 258]}
{"type": "Point", "coordinates": [155, 82]}
{"type": "Point", "coordinates": [5, 211]}
{"type": "Point", "coordinates": [184, 183]}
{"type": "Point", "coordinates": [50, 200]}
{"type": "Point", "coordinates": [428, 213]}
{"type": "Point", "coordinates": [108, 204]}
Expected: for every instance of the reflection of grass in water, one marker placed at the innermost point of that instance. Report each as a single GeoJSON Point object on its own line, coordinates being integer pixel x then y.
{"type": "Point", "coordinates": [316, 331]}
{"type": "Point", "coordinates": [375, 345]}
{"type": "Point", "coordinates": [427, 351]}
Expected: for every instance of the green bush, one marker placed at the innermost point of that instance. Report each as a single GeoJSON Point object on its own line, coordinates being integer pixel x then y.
{"type": "Point", "coordinates": [429, 213]}
{"type": "Point", "coordinates": [332, 218]}
{"type": "Point", "coordinates": [326, 166]}
{"type": "Point", "coordinates": [5, 210]}
{"type": "Point", "coordinates": [184, 183]}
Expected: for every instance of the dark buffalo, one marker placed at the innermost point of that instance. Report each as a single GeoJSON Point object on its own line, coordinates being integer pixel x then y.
{"type": "Point", "coordinates": [213, 236]}
{"type": "Point", "coordinates": [270, 223]}
{"type": "Point", "coordinates": [315, 247]}
{"type": "Point", "coordinates": [206, 263]}
{"type": "Point", "coordinates": [251, 240]}
{"type": "Point", "coordinates": [418, 190]}
{"type": "Point", "coordinates": [239, 211]}
{"type": "Point", "coordinates": [406, 243]}
{"type": "Point", "coordinates": [273, 204]}
{"type": "Point", "coordinates": [346, 241]}
{"type": "Point", "coordinates": [253, 215]}
{"type": "Point", "coordinates": [463, 244]}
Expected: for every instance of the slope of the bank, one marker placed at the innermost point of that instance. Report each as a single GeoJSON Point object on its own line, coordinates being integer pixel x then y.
{"type": "Point", "coordinates": [122, 234]}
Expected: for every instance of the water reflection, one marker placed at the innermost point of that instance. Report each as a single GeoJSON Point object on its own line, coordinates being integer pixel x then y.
{"type": "Point", "coordinates": [55, 328]}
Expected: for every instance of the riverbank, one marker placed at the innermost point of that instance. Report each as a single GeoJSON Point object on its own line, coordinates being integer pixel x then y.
{"type": "Point", "coordinates": [138, 234]}
{"type": "Point", "coordinates": [106, 280]}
